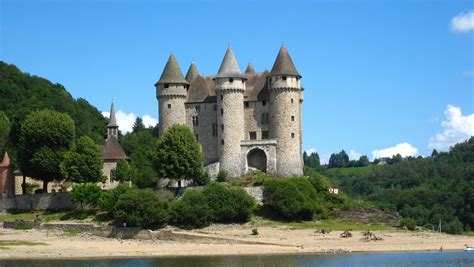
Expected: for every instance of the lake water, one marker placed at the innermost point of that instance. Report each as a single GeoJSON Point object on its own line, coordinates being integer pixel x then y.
{"type": "Point", "coordinates": [457, 258]}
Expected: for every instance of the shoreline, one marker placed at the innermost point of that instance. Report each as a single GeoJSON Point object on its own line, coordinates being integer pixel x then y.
{"type": "Point", "coordinates": [272, 241]}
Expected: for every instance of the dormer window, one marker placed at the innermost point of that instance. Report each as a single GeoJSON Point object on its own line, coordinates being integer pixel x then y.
{"type": "Point", "coordinates": [231, 80]}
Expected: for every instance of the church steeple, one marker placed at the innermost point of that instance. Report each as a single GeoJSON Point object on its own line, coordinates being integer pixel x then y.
{"type": "Point", "coordinates": [112, 127]}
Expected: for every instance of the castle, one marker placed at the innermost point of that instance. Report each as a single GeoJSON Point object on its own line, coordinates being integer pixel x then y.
{"type": "Point", "coordinates": [243, 121]}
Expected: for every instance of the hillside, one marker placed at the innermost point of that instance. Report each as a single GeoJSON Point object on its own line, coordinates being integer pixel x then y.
{"type": "Point", "coordinates": [21, 92]}
{"type": "Point", "coordinates": [426, 190]}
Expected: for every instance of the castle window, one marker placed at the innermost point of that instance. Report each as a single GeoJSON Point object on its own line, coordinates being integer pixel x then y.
{"type": "Point", "coordinates": [222, 111]}
{"type": "Point", "coordinates": [283, 78]}
{"type": "Point", "coordinates": [264, 103]}
{"type": "Point", "coordinates": [197, 137]}
{"type": "Point", "coordinates": [247, 104]}
{"type": "Point", "coordinates": [270, 79]}
{"type": "Point", "coordinates": [292, 135]}
{"type": "Point", "coordinates": [167, 85]}
{"type": "Point", "coordinates": [264, 134]}
{"type": "Point", "coordinates": [169, 106]}
{"type": "Point", "coordinates": [222, 97]}
{"type": "Point", "coordinates": [292, 101]}
{"type": "Point", "coordinates": [215, 107]}
{"type": "Point", "coordinates": [198, 108]}
{"type": "Point", "coordinates": [264, 119]}
{"type": "Point", "coordinates": [292, 118]}
{"type": "Point", "coordinates": [253, 135]}
{"type": "Point", "coordinates": [243, 80]}
{"type": "Point", "coordinates": [231, 80]}
{"type": "Point", "coordinates": [214, 129]}
{"type": "Point", "coordinates": [222, 141]}
{"type": "Point", "coordinates": [222, 127]}
{"type": "Point", "coordinates": [195, 120]}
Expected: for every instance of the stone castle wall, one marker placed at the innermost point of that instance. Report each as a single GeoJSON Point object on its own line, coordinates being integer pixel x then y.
{"type": "Point", "coordinates": [171, 106]}
{"type": "Point", "coordinates": [207, 116]}
{"type": "Point", "coordinates": [50, 201]}
{"type": "Point", "coordinates": [286, 125]}
{"type": "Point", "coordinates": [253, 118]}
{"type": "Point", "coordinates": [230, 99]}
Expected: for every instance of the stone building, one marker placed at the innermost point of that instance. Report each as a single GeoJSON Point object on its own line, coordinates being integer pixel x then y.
{"type": "Point", "coordinates": [7, 179]}
{"type": "Point", "coordinates": [243, 121]}
{"type": "Point", "coordinates": [111, 151]}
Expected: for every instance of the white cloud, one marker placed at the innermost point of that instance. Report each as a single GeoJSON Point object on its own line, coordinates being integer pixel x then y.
{"type": "Point", "coordinates": [324, 159]}
{"type": "Point", "coordinates": [463, 22]}
{"type": "Point", "coordinates": [354, 155]}
{"type": "Point", "coordinates": [404, 149]}
{"type": "Point", "coordinates": [125, 120]}
{"type": "Point", "coordinates": [310, 150]}
{"type": "Point", "coordinates": [456, 128]}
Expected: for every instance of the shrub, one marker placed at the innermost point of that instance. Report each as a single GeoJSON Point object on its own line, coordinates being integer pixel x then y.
{"type": "Point", "coordinates": [140, 208]}
{"type": "Point", "coordinates": [228, 204]}
{"type": "Point", "coordinates": [291, 199]}
{"type": "Point", "coordinates": [222, 176]}
{"type": "Point", "coordinates": [254, 231]}
{"type": "Point", "coordinates": [454, 227]}
{"type": "Point", "coordinates": [408, 223]}
{"type": "Point", "coordinates": [191, 211]}
{"type": "Point", "coordinates": [111, 197]}
{"type": "Point", "coordinates": [202, 180]}
{"type": "Point", "coordinates": [89, 194]}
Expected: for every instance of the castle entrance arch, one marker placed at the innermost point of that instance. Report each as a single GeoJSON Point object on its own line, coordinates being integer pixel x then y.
{"type": "Point", "coordinates": [256, 158]}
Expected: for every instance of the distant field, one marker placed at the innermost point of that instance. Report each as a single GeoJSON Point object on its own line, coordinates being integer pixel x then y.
{"type": "Point", "coordinates": [351, 170]}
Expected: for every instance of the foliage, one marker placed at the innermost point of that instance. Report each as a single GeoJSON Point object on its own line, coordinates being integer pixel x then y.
{"type": "Point", "coordinates": [339, 160]}
{"type": "Point", "coordinates": [251, 178]}
{"type": "Point", "coordinates": [21, 91]}
{"type": "Point", "coordinates": [141, 208]}
{"type": "Point", "coordinates": [426, 190]}
{"type": "Point", "coordinates": [202, 180]}
{"type": "Point", "coordinates": [4, 132]}
{"type": "Point", "coordinates": [45, 137]}
{"type": "Point", "coordinates": [410, 224]}
{"type": "Point", "coordinates": [291, 199]}
{"type": "Point", "coordinates": [111, 197]}
{"type": "Point", "coordinates": [83, 163]}
{"type": "Point", "coordinates": [312, 160]}
{"type": "Point", "coordinates": [88, 194]}
{"type": "Point", "coordinates": [228, 204]}
{"type": "Point", "coordinates": [191, 211]}
{"type": "Point", "coordinates": [178, 154]}
{"type": "Point", "coordinates": [138, 125]}
{"type": "Point", "coordinates": [222, 176]}
{"type": "Point", "coordinates": [123, 172]}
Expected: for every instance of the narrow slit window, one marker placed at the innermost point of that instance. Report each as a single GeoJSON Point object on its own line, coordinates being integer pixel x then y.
{"type": "Point", "coordinates": [292, 118]}
{"type": "Point", "coordinates": [292, 135]}
{"type": "Point", "coordinates": [169, 106]}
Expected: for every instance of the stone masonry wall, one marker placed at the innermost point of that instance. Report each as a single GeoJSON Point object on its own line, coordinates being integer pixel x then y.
{"type": "Point", "coordinates": [171, 106]}
{"type": "Point", "coordinates": [253, 119]}
{"type": "Point", "coordinates": [50, 201]}
{"type": "Point", "coordinates": [207, 116]}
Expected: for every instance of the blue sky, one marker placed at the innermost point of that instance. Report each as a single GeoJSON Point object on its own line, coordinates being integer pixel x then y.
{"type": "Point", "coordinates": [377, 74]}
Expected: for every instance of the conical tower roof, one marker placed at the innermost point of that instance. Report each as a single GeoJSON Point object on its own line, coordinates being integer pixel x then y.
{"type": "Point", "coordinates": [249, 69]}
{"type": "Point", "coordinates": [112, 119]}
{"type": "Point", "coordinates": [172, 73]}
{"type": "Point", "coordinates": [283, 64]}
{"type": "Point", "coordinates": [229, 66]}
{"type": "Point", "coordinates": [6, 160]}
{"type": "Point", "coordinates": [192, 72]}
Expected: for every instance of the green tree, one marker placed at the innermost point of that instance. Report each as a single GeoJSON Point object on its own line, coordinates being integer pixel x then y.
{"type": "Point", "coordinates": [312, 160]}
{"type": "Point", "coordinates": [363, 161]}
{"type": "Point", "coordinates": [4, 131]}
{"type": "Point", "coordinates": [339, 160]}
{"type": "Point", "coordinates": [89, 194]}
{"type": "Point", "coordinates": [123, 172]}
{"type": "Point", "coordinates": [191, 211]}
{"type": "Point", "coordinates": [44, 139]}
{"type": "Point", "coordinates": [83, 163]}
{"type": "Point", "coordinates": [138, 125]}
{"type": "Point", "coordinates": [178, 155]}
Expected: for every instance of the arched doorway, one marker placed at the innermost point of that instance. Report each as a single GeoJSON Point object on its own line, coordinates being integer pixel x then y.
{"type": "Point", "coordinates": [257, 159]}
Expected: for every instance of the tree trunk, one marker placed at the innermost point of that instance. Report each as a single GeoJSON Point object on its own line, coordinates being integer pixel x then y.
{"type": "Point", "coordinates": [23, 185]}
{"type": "Point", "coordinates": [45, 187]}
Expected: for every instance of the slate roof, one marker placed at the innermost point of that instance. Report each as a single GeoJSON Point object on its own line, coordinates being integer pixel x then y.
{"type": "Point", "coordinates": [249, 69]}
{"type": "Point", "coordinates": [256, 86]}
{"type": "Point", "coordinates": [112, 150]}
{"type": "Point", "coordinates": [172, 73]}
{"type": "Point", "coordinates": [112, 119]}
{"type": "Point", "coordinates": [200, 89]}
{"type": "Point", "coordinates": [283, 64]}
{"type": "Point", "coordinates": [229, 67]}
{"type": "Point", "coordinates": [192, 73]}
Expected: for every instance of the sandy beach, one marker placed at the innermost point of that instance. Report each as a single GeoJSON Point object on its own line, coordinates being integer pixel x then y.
{"type": "Point", "coordinates": [271, 240]}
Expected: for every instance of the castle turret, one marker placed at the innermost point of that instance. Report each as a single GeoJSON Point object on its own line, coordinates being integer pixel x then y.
{"type": "Point", "coordinates": [171, 94]}
{"type": "Point", "coordinates": [230, 88]}
{"type": "Point", "coordinates": [286, 97]}
{"type": "Point", "coordinates": [112, 127]}
{"type": "Point", "coordinates": [192, 72]}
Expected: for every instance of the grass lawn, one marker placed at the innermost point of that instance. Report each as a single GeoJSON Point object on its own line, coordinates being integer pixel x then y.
{"type": "Point", "coordinates": [329, 224]}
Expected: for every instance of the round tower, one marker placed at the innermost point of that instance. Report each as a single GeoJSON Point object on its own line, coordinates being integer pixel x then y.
{"type": "Point", "coordinates": [230, 88]}
{"type": "Point", "coordinates": [171, 90]}
{"type": "Point", "coordinates": [286, 98]}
